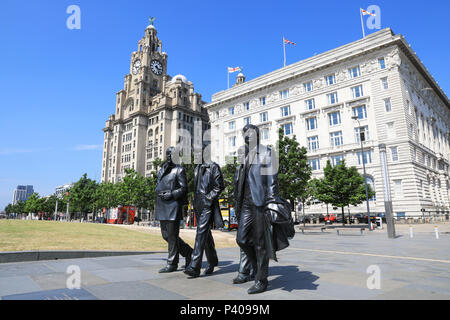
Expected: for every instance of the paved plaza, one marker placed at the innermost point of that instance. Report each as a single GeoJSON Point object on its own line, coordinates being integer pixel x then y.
{"type": "Point", "coordinates": [316, 266]}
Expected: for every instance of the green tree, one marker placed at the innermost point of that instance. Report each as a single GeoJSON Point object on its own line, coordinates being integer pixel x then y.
{"type": "Point", "coordinates": [342, 186]}
{"type": "Point", "coordinates": [150, 183]}
{"type": "Point", "coordinates": [49, 205]}
{"type": "Point", "coordinates": [189, 166]}
{"type": "Point", "coordinates": [33, 204]}
{"type": "Point", "coordinates": [107, 196]}
{"type": "Point", "coordinates": [308, 195]}
{"type": "Point", "coordinates": [9, 209]}
{"type": "Point", "coordinates": [229, 171]}
{"type": "Point", "coordinates": [82, 195]}
{"type": "Point", "coordinates": [19, 208]}
{"type": "Point", "coordinates": [294, 171]}
{"type": "Point", "coordinates": [130, 189]}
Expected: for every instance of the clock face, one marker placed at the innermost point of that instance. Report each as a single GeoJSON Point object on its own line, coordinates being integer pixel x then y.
{"type": "Point", "coordinates": [156, 67]}
{"type": "Point", "coordinates": [136, 66]}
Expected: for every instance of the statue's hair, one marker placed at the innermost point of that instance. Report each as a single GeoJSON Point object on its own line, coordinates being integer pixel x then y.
{"type": "Point", "coordinates": [252, 127]}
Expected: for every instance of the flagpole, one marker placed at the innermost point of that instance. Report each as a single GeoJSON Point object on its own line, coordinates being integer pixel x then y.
{"type": "Point", "coordinates": [284, 51]}
{"type": "Point", "coordinates": [228, 79]}
{"type": "Point", "coordinates": [362, 23]}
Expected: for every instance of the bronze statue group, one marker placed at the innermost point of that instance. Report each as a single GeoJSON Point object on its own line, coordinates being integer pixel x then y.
{"type": "Point", "coordinates": [264, 218]}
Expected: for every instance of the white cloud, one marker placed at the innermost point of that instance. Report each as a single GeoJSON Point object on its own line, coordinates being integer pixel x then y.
{"type": "Point", "coordinates": [84, 147]}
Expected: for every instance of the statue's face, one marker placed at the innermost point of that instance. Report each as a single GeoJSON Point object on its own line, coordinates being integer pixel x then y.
{"type": "Point", "coordinates": [169, 154]}
{"type": "Point", "coordinates": [250, 136]}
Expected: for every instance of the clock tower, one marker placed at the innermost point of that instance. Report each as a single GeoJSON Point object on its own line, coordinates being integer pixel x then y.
{"type": "Point", "coordinates": [148, 67]}
{"type": "Point", "coordinates": [153, 111]}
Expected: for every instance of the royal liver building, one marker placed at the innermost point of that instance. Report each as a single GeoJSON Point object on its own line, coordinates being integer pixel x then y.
{"type": "Point", "coordinates": [380, 81]}
{"type": "Point", "coordinates": [153, 111]}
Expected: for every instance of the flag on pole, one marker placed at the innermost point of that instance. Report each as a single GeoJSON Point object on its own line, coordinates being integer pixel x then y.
{"type": "Point", "coordinates": [232, 70]}
{"type": "Point", "coordinates": [365, 13]}
{"type": "Point", "coordinates": [288, 42]}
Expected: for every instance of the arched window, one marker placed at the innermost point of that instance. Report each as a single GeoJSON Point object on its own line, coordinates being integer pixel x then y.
{"type": "Point", "coordinates": [370, 182]}
{"type": "Point", "coordinates": [150, 133]}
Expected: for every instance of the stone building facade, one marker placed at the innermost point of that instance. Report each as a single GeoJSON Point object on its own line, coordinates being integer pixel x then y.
{"type": "Point", "coordinates": [380, 80]}
{"type": "Point", "coordinates": [153, 111]}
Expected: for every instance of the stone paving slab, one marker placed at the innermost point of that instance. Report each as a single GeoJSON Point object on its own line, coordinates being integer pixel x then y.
{"type": "Point", "coordinates": [59, 294]}
{"type": "Point", "coordinates": [328, 267]}
{"type": "Point", "coordinates": [16, 285]}
{"type": "Point", "coordinates": [132, 290]}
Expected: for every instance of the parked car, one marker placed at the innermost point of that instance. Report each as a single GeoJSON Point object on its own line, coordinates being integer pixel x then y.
{"type": "Point", "coordinates": [305, 218]}
{"type": "Point", "coordinates": [329, 219]}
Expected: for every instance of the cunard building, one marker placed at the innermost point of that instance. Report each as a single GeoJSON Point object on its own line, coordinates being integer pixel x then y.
{"type": "Point", "coordinates": [400, 109]}
{"type": "Point", "coordinates": [153, 111]}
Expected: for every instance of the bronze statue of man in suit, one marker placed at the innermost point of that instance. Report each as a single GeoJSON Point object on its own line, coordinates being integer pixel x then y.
{"type": "Point", "coordinates": [208, 185]}
{"type": "Point", "coordinates": [171, 195]}
{"type": "Point", "coordinates": [256, 185]}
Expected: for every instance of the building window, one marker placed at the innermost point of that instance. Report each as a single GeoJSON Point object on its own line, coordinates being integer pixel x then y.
{"type": "Point", "coordinates": [367, 157]}
{"type": "Point", "coordinates": [331, 79]}
{"type": "Point", "coordinates": [337, 160]}
{"type": "Point", "coordinates": [314, 164]}
{"type": "Point", "coordinates": [390, 130]}
{"type": "Point", "coordinates": [384, 83]}
{"type": "Point", "coordinates": [262, 101]}
{"type": "Point", "coordinates": [357, 92]}
{"type": "Point", "coordinates": [371, 183]}
{"type": "Point", "coordinates": [308, 86]}
{"type": "Point", "coordinates": [361, 112]}
{"type": "Point", "coordinates": [387, 105]}
{"type": "Point", "coordinates": [231, 111]}
{"type": "Point", "coordinates": [336, 139]}
{"type": "Point", "coordinates": [264, 117]}
{"type": "Point", "coordinates": [284, 94]}
{"type": "Point", "coordinates": [382, 63]}
{"type": "Point", "coordinates": [247, 106]}
{"type": "Point", "coordinates": [398, 189]}
{"type": "Point", "coordinates": [313, 143]}
{"type": "Point", "coordinates": [310, 104]}
{"type": "Point", "coordinates": [311, 123]}
{"type": "Point", "coordinates": [285, 111]}
{"type": "Point", "coordinates": [332, 98]}
{"type": "Point", "coordinates": [288, 129]}
{"type": "Point", "coordinates": [394, 153]}
{"type": "Point", "coordinates": [362, 134]}
{"type": "Point", "coordinates": [334, 118]}
{"type": "Point", "coordinates": [408, 107]}
{"type": "Point", "coordinates": [265, 134]}
{"type": "Point", "coordinates": [247, 120]}
{"type": "Point", "coordinates": [232, 141]}
{"type": "Point", "coordinates": [354, 72]}
{"type": "Point", "coordinates": [232, 125]}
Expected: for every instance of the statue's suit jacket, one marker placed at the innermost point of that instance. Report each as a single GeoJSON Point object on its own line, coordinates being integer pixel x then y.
{"type": "Point", "coordinates": [171, 179]}
{"type": "Point", "coordinates": [263, 183]}
{"type": "Point", "coordinates": [212, 183]}
{"type": "Point", "coordinates": [262, 178]}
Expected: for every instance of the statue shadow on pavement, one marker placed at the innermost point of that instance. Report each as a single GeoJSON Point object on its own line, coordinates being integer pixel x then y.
{"type": "Point", "coordinates": [291, 278]}
{"type": "Point", "coordinates": [287, 278]}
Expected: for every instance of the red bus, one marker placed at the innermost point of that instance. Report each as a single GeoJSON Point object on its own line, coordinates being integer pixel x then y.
{"type": "Point", "coordinates": [119, 215]}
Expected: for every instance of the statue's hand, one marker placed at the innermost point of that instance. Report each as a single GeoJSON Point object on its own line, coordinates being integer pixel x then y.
{"type": "Point", "coordinates": [166, 196]}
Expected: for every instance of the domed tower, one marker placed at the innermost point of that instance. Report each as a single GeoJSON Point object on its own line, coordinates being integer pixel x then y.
{"type": "Point", "coordinates": [153, 112]}
{"type": "Point", "coordinates": [240, 79]}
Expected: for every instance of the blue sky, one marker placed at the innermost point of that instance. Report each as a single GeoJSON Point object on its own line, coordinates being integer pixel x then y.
{"type": "Point", "coordinates": [58, 85]}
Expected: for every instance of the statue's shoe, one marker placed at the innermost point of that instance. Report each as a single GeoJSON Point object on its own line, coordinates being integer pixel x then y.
{"type": "Point", "coordinates": [168, 268]}
{"type": "Point", "coordinates": [258, 287]}
{"type": "Point", "coordinates": [191, 272]}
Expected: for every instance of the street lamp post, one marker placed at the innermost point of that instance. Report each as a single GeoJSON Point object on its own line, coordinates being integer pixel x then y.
{"type": "Point", "coordinates": [364, 170]}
